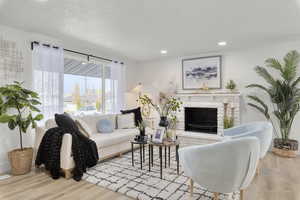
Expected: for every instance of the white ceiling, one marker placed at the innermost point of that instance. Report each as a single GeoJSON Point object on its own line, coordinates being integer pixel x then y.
{"type": "Point", "coordinates": [139, 29]}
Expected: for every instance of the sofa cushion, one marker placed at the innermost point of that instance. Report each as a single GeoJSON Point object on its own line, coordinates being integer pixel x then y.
{"type": "Point", "coordinates": [105, 126]}
{"type": "Point", "coordinates": [126, 121]}
{"type": "Point", "coordinates": [117, 137]}
{"type": "Point", "coordinates": [84, 128]}
{"type": "Point", "coordinates": [92, 120]}
{"type": "Point", "coordinates": [137, 114]}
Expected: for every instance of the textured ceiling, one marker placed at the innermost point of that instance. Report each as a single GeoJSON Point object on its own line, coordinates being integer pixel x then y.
{"type": "Point", "coordinates": [139, 29]}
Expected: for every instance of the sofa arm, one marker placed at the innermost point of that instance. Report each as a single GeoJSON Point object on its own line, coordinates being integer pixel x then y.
{"type": "Point", "coordinates": [66, 158]}
{"type": "Point", "coordinates": [39, 134]}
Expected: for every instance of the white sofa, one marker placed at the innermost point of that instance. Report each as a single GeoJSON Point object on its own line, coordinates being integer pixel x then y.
{"type": "Point", "coordinates": [109, 144]}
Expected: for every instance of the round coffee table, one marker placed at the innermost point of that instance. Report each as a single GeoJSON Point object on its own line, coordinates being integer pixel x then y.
{"type": "Point", "coordinates": [142, 144]}
{"type": "Point", "coordinates": [165, 145]}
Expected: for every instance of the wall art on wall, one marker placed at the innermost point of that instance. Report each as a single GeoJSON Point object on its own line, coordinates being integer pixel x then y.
{"type": "Point", "coordinates": [11, 62]}
{"type": "Point", "coordinates": [201, 72]}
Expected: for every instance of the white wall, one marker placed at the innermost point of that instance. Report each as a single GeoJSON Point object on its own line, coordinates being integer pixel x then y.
{"type": "Point", "coordinates": [237, 65]}
{"type": "Point", "coordinates": [10, 139]}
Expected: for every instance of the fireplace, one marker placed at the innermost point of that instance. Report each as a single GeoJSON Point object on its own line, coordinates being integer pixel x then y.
{"type": "Point", "coordinates": [201, 119]}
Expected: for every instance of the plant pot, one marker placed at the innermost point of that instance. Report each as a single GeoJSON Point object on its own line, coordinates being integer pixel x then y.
{"type": "Point", "coordinates": [163, 122]}
{"type": "Point", "coordinates": [20, 161]}
{"type": "Point", "coordinates": [285, 148]}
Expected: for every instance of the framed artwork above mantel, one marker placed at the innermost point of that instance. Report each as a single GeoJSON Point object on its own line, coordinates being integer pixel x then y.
{"type": "Point", "coordinates": [201, 72]}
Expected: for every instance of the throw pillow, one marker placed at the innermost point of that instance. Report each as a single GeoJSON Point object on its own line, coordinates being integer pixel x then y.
{"type": "Point", "coordinates": [105, 126]}
{"type": "Point", "coordinates": [126, 121]}
{"type": "Point", "coordinates": [83, 127]}
{"type": "Point", "coordinates": [64, 121]}
{"type": "Point", "coordinates": [137, 114]}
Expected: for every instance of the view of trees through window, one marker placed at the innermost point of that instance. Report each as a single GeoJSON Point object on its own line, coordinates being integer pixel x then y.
{"type": "Point", "coordinates": [85, 90]}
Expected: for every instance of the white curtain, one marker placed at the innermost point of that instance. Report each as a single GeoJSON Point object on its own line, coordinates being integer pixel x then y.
{"type": "Point", "coordinates": [117, 74]}
{"type": "Point", "coordinates": [48, 65]}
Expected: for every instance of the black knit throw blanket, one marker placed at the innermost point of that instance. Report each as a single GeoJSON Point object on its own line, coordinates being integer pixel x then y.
{"type": "Point", "coordinates": [84, 152]}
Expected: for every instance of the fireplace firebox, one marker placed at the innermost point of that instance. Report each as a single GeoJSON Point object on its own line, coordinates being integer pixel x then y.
{"type": "Point", "coordinates": [204, 120]}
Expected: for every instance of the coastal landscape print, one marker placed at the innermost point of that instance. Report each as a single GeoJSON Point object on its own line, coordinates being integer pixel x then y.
{"type": "Point", "coordinates": [201, 72]}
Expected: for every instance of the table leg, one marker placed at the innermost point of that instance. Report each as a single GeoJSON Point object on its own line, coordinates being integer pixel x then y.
{"type": "Point", "coordinates": [160, 158]}
{"type": "Point", "coordinates": [143, 152]}
{"type": "Point", "coordinates": [149, 148]}
{"type": "Point", "coordinates": [165, 156]}
{"type": "Point", "coordinates": [169, 155]}
{"type": "Point", "coordinates": [177, 159]}
{"type": "Point", "coordinates": [152, 155]}
{"type": "Point", "coordinates": [141, 156]}
{"type": "Point", "coordinates": [132, 155]}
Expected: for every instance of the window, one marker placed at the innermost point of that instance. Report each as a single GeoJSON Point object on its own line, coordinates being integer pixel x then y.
{"type": "Point", "coordinates": [88, 87]}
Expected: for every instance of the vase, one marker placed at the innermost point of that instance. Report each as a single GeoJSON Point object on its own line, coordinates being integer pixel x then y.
{"type": "Point", "coordinates": [163, 122]}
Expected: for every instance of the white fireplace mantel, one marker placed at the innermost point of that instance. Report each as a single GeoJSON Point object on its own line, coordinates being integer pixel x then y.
{"type": "Point", "coordinates": [211, 99]}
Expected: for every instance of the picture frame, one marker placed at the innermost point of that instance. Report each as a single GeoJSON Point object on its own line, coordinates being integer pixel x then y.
{"type": "Point", "coordinates": [159, 135]}
{"type": "Point", "coordinates": [202, 72]}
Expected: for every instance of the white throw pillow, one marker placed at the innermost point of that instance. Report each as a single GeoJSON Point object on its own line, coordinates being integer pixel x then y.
{"type": "Point", "coordinates": [126, 121]}
{"type": "Point", "coordinates": [83, 127]}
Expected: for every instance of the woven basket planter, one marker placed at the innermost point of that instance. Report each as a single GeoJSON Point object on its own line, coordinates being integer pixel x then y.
{"type": "Point", "coordinates": [20, 161]}
{"type": "Point", "coordinates": [287, 149]}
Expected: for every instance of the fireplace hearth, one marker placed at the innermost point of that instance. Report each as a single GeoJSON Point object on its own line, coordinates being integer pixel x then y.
{"type": "Point", "coordinates": [200, 119]}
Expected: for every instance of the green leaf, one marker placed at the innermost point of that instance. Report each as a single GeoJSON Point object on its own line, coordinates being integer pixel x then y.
{"type": "Point", "coordinates": [258, 86]}
{"type": "Point", "coordinates": [265, 74]}
{"type": "Point", "coordinates": [6, 118]}
{"type": "Point", "coordinates": [274, 63]}
{"type": "Point", "coordinates": [39, 117]}
{"type": "Point", "coordinates": [12, 124]}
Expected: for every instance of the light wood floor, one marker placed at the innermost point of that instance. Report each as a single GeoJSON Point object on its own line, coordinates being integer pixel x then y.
{"type": "Point", "coordinates": [279, 180]}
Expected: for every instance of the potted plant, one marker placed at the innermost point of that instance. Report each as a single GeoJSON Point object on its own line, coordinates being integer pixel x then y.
{"type": "Point", "coordinates": [231, 85]}
{"type": "Point", "coordinates": [17, 105]}
{"type": "Point", "coordinates": [284, 94]}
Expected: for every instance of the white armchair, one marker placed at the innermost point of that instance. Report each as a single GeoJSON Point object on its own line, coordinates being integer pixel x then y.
{"type": "Point", "coordinates": [262, 130]}
{"type": "Point", "coordinates": [223, 167]}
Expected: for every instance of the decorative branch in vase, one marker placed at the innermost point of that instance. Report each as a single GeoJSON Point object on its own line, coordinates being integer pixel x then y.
{"type": "Point", "coordinates": [167, 108]}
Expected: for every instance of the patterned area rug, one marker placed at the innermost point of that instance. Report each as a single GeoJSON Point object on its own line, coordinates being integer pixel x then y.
{"type": "Point", "coordinates": [119, 175]}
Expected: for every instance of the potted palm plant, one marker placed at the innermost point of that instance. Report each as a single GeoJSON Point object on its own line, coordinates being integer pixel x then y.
{"type": "Point", "coordinates": [284, 95]}
{"type": "Point", "coordinates": [17, 106]}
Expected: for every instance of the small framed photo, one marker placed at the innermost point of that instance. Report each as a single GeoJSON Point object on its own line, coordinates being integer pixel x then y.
{"type": "Point", "coordinates": [159, 135]}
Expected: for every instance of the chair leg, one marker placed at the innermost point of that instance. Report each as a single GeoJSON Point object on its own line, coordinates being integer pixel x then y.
{"type": "Point", "coordinates": [216, 195]}
{"type": "Point", "coordinates": [241, 194]}
{"type": "Point", "coordinates": [191, 187]}
{"type": "Point", "coordinates": [68, 173]}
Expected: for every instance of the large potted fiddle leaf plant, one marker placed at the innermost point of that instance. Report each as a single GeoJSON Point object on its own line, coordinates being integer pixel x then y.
{"type": "Point", "coordinates": [284, 95]}
{"type": "Point", "coordinates": [18, 110]}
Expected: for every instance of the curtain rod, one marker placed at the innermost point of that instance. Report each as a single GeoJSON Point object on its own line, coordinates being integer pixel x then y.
{"type": "Point", "coordinates": [76, 52]}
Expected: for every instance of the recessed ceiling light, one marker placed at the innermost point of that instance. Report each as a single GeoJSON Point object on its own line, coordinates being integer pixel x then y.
{"type": "Point", "coordinates": [83, 63]}
{"type": "Point", "coordinates": [222, 43]}
{"type": "Point", "coordinates": [163, 51]}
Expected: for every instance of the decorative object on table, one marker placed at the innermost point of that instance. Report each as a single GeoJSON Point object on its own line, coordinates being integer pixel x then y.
{"type": "Point", "coordinates": [137, 114]}
{"type": "Point", "coordinates": [142, 128]}
{"type": "Point", "coordinates": [231, 86]}
{"type": "Point", "coordinates": [159, 135]}
{"type": "Point", "coordinates": [167, 107]}
{"type": "Point", "coordinates": [284, 96]}
{"type": "Point", "coordinates": [171, 131]}
{"type": "Point", "coordinates": [228, 119]}
{"type": "Point", "coordinates": [23, 101]}
{"type": "Point", "coordinates": [199, 71]}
